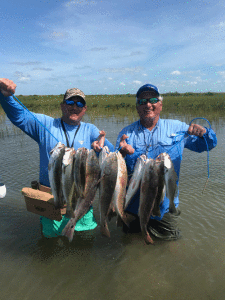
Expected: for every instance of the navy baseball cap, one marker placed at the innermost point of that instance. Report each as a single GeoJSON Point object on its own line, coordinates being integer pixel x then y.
{"type": "Point", "coordinates": [147, 88]}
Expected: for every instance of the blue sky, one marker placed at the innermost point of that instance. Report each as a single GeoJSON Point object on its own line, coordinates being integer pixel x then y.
{"type": "Point", "coordinates": [113, 47]}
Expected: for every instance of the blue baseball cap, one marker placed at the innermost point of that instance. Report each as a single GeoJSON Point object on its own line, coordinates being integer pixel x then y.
{"type": "Point", "coordinates": [147, 88]}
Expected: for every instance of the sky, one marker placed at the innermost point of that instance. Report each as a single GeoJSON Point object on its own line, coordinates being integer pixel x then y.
{"type": "Point", "coordinates": [112, 46]}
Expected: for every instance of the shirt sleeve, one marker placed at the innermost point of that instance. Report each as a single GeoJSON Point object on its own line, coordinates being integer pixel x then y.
{"type": "Point", "coordinates": [198, 144]}
{"type": "Point", "coordinates": [24, 119]}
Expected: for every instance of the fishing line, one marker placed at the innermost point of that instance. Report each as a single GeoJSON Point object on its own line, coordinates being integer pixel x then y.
{"type": "Point", "coordinates": [34, 117]}
{"type": "Point", "coordinates": [108, 152]}
{"type": "Point", "coordinates": [118, 149]}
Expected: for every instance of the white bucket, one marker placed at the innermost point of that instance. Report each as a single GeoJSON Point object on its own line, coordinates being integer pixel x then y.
{"type": "Point", "coordinates": [2, 190]}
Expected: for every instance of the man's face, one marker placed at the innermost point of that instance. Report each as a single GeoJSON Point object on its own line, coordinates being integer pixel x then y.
{"type": "Point", "coordinates": [149, 111]}
{"type": "Point", "coordinates": [73, 113]}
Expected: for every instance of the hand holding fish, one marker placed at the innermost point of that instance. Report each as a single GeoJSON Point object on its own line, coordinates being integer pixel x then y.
{"type": "Point", "coordinates": [7, 87]}
{"type": "Point", "coordinates": [195, 129]}
{"type": "Point", "coordinates": [99, 143]}
{"type": "Point", "coordinates": [124, 147]}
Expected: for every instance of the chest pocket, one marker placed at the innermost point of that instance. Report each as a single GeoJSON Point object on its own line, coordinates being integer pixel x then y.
{"type": "Point", "coordinates": [172, 146]}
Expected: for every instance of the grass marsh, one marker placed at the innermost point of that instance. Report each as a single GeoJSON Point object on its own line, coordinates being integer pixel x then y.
{"type": "Point", "coordinates": [100, 106]}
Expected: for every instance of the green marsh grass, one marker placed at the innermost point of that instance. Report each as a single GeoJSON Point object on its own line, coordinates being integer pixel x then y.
{"type": "Point", "coordinates": [103, 106]}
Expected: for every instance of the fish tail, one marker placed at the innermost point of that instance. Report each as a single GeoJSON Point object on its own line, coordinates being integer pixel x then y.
{"type": "Point", "coordinates": [105, 230]}
{"type": "Point", "coordinates": [148, 239]}
{"type": "Point", "coordinates": [128, 218]}
{"type": "Point", "coordinates": [68, 231]}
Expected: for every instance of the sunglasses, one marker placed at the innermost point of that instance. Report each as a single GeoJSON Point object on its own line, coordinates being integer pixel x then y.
{"type": "Point", "coordinates": [71, 102]}
{"type": "Point", "coordinates": [145, 101]}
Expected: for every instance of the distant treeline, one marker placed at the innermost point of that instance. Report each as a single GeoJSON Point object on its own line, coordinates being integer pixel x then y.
{"type": "Point", "coordinates": [172, 103]}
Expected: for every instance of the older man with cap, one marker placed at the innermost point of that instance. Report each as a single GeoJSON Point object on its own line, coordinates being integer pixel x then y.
{"type": "Point", "coordinates": [152, 136]}
{"type": "Point", "coordinates": [69, 129]}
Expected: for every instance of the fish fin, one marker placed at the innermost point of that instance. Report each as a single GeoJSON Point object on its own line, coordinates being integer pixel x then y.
{"type": "Point", "coordinates": [105, 230]}
{"type": "Point", "coordinates": [148, 239]}
{"type": "Point", "coordinates": [68, 231]}
{"type": "Point", "coordinates": [128, 218]}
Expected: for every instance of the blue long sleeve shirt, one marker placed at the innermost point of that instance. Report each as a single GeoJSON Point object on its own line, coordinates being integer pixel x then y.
{"type": "Point", "coordinates": [21, 118]}
{"type": "Point", "coordinates": [162, 138]}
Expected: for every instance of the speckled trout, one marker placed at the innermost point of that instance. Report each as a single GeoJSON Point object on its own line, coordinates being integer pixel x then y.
{"type": "Point", "coordinates": [55, 173]}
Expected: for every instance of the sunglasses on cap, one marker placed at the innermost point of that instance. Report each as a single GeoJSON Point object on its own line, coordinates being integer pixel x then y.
{"type": "Point", "coordinates": [145, 101]}
{"type": "Point", "coordinates": [72, 102]}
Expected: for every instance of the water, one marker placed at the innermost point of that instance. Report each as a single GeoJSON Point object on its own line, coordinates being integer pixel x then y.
{"type": "Point", "coordinates": [122, 267]}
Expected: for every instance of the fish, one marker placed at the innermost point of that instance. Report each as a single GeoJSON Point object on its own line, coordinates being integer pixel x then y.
{"type": "Point", "coordinates": [55, 173]}
{"type": "Point", "coordinates": [148, 193]}
{"type": "Point", "coordinates": [92, 171]}
{"type": "Point", "coordinates": [92, 175]}
{"type": "Point", "coordinates": [159, 164]}
{"type": "Point", "coordinates": [82, 207]}
{"type": "Point", "coordinates": [103, 154]}
{"type": "Point", "coordinates": [135, 180]}
{"type": "Point", "coordinates": [107, 187]}
{"type": "Point", "coordinates": [120, 190]}
{"type": "Point", "coordinates": [170, 181]}
{"type": "Point", "coordinates": [79, 170]}
{"type": "Point", "coordinates": [68, 184]}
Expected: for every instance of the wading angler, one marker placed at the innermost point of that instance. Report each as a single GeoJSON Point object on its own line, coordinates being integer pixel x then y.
{"type": "Point", "coordinates": [153, 138]}
{"type": "Point", "coordinates": [69, 130]}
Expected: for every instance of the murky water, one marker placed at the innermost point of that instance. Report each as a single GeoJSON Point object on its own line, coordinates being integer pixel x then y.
{"type": "Point", "coordinates": [122, 267]}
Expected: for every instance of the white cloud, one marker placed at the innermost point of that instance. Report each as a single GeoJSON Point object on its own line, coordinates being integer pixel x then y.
{"type": "Point", "coordinates": [122, 70]}
{"type": "Point", "coordinates": [222, 73]}
{"type": "Point", "coordinates": [175, 73]}
{"type": "Point", "coordinates": [122, 83]}
{"type": "Point", "coordinates": [191, 82]}
{"type": "Point", "coordinates": [173, 82]}
{"type": "Point", "coordinates": [137, 82]}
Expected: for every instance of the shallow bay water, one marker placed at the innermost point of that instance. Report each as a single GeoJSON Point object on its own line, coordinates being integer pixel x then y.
{"type": "Point", "coordinates": [122, 267]}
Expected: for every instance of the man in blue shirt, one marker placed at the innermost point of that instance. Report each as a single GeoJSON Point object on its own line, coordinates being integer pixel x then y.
{"type": "Point", "coordinates": [69, 130]}
{"type": "Point", "coordinates": [152, 136]}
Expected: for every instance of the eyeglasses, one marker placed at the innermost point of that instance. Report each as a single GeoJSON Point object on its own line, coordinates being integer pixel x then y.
{"type": "Point", "coordinates": [71, 102]}
{"type": "Point", "coordinates": [145, 101]}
